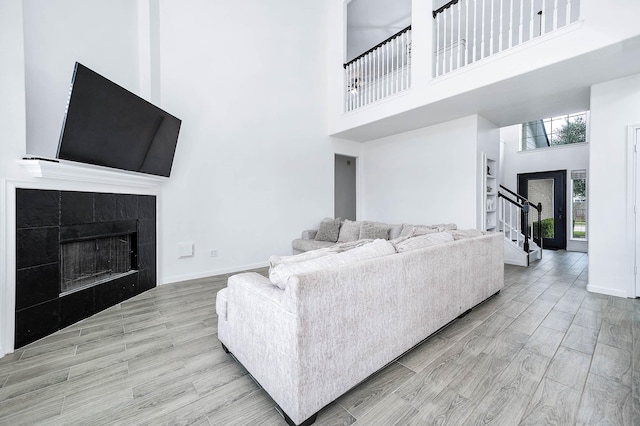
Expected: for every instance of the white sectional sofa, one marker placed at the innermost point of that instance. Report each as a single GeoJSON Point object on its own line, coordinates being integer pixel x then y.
{"type": "Point", "coordinates": [326, 320]}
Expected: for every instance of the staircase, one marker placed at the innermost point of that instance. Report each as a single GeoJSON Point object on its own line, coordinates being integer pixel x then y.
{"type": "Point", "coordinates": [513, 211]}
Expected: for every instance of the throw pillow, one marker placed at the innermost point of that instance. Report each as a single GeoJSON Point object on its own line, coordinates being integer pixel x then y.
{"type": "Point", "coordinates": [423, 241]}
{"type": "Point", "coordinates": [424, 230]}
{"type": "Point", "coordinates": [340, 247]}
{"type": "Point", "coordinates": [395, 231]}
{"type": "Point", "coordinates": [445, 226]}
{"type": "Point", "coordinates": [329, 230]}
{"type": "Point", "coordinates": [407, 230]}
{"type": "Point", "coordinates": [300, 257]}
{"type": "Point", "coordinates": [349, 231]}
{"type": "Point", "coordinates": [374, 230]}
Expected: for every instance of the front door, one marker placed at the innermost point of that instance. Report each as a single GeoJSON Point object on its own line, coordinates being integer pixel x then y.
{"type": "Point", "coordinates": [548, 189]}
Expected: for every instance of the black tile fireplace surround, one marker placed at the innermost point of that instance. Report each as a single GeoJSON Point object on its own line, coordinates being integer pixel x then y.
{"type": "Point", "coordinates": [44, 219]}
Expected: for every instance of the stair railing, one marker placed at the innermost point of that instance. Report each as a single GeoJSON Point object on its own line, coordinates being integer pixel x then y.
{"type": "Point", "coordinates": [467, 31]}
{"type": "Point", "coordinates": [380, 72]}
{"type": "Point", "coordinates": [514, 216]}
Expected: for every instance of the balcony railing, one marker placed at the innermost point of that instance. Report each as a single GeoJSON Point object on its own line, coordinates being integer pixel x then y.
{"type": "Point", "coordinates": [380, 72]}
{"type": "Point", "coordinates": [466, 31]}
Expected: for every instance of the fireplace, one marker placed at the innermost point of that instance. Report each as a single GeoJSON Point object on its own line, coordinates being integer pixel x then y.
{"type": "Point", "coordinates": [78, 253]}
{"type": "Point", "coordinates": [98, 256]}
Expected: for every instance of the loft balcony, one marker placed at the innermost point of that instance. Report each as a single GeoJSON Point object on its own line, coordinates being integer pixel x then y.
{"type": "Point", "coordinates": [510, 61]}
{"type": "Point", "coordinates": [380, 72]}
{"type": "Point", "coordinates": [468, 31]}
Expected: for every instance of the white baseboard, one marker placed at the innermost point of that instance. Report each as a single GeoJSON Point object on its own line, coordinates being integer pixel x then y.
{"type": "Point", "coordinates": [606, 290]}
{"type": "Point", "coordinates": [204, 274]}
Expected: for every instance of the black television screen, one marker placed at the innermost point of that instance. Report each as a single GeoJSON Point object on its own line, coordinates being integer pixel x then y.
{"type": "Point", "coordinates": [107, 125]}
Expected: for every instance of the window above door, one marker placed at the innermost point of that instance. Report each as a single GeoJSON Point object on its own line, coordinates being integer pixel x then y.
{"type": "Point", "coordinates": [555, 131]}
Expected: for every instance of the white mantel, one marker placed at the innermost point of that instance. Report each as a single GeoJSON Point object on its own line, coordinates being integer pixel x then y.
{"type": "Point", "coordinates": [79, 172]}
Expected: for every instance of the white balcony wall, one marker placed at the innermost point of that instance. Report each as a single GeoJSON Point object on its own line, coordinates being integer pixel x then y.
{"type": "Point", "coordinates": [495, 87]}
{"type": "Point", "coordinates": [413, 177]}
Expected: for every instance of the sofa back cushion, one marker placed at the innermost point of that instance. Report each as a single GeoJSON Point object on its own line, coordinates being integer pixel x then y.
{"type": "Point", "coordinates": [280, 274]}
{"type": "Point", "coordinates": [423, 241]}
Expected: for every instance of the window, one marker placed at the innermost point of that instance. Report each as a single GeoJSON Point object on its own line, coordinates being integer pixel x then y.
{"type": "Point", "coordinates": [579, 204]}
{"type": "Point", "coordinates": [560, 130]}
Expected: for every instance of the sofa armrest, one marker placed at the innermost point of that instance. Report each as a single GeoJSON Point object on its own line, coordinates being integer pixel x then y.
{"type": "Point", "coordinates": [262, 335]}
{"type": "Point", "coordinates": [309, 234]}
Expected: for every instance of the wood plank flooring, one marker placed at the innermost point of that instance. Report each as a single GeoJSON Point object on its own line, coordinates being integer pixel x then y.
{"type": "Point", "coordinates": [544, 351]}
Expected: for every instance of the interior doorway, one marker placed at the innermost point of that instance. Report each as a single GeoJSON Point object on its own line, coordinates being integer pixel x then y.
{"type": "Point", "coordinates": [345, 187]}
{"type": "Point", "coordinates": [548, 189]}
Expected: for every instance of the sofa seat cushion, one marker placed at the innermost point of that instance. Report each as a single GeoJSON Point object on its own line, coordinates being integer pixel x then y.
{"type": "Point", "coordinates": [423, 241]}
{"type": "Point", "coordinates": [281, 273]}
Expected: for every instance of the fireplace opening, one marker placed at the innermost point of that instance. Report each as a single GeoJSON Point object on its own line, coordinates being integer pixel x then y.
{"type": "Point", "coordinates": [89, 262]}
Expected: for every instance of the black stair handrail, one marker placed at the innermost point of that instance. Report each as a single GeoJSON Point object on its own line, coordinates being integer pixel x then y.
{"type": "Point", "coordinates": [444, 7]}
{"type": "Point", "coordinates": [362, 55]}
{"type": "Point", "coordinates": [523, 204]}
{"type": "Point", "coordinates": [522, 199]}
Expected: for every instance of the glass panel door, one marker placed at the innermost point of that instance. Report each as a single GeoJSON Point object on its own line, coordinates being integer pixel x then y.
{"type": "Point", "coordinates": [548, 189]}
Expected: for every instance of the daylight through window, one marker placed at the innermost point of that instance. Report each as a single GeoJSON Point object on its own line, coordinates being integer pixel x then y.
{"type": "Point", "coordinates": [579, 204]}
{"type": "Point", "coordinates": [553, 131]}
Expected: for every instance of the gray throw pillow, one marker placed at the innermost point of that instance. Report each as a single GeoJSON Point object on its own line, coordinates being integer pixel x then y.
{"type": "Point", "coordinates": [329, 230]}
{"type": "Point", "coordinates": [349, 231]}
{"type": "Point", "coordinates": [374, 230]}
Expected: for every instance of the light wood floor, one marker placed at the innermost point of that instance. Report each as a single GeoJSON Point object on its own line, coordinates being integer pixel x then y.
{"type": "Point", "coordinates": [544, 351]}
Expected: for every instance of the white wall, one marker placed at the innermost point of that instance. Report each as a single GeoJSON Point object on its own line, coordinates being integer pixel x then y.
{"type": "Point", "coordinates": [424, 176]}
{"type": "Point", "coordinates": [614, 106]}
{"type": "Point", "coordinates": [101, 35]}
{"type": "Point", "coordinates": [565, 157]}
{"type": "Point", "coordinates": [254, 164]}
{"type": "Point", "coordinates": [12, 146]}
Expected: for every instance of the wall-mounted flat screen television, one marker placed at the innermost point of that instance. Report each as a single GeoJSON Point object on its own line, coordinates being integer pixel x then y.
{"type": "Point", "coordinates": [107, 125]}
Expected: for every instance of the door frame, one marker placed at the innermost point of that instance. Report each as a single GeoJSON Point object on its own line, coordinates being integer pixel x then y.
{"type": "Point", "coordinates": [560, 199]}
{"type": "Point", "coordinates": [633, 195]}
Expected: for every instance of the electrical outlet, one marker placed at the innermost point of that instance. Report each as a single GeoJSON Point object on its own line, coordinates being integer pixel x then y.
{"type": "Point", "coordinates": [213, 253]}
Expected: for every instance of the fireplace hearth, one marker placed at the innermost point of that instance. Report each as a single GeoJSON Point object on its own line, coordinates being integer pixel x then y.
{"type": "Point", "coordinates": [78, 253]}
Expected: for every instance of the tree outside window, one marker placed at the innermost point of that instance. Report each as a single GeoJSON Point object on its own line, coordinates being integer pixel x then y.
{"type": "Point", "coordinates": [554, 131]}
